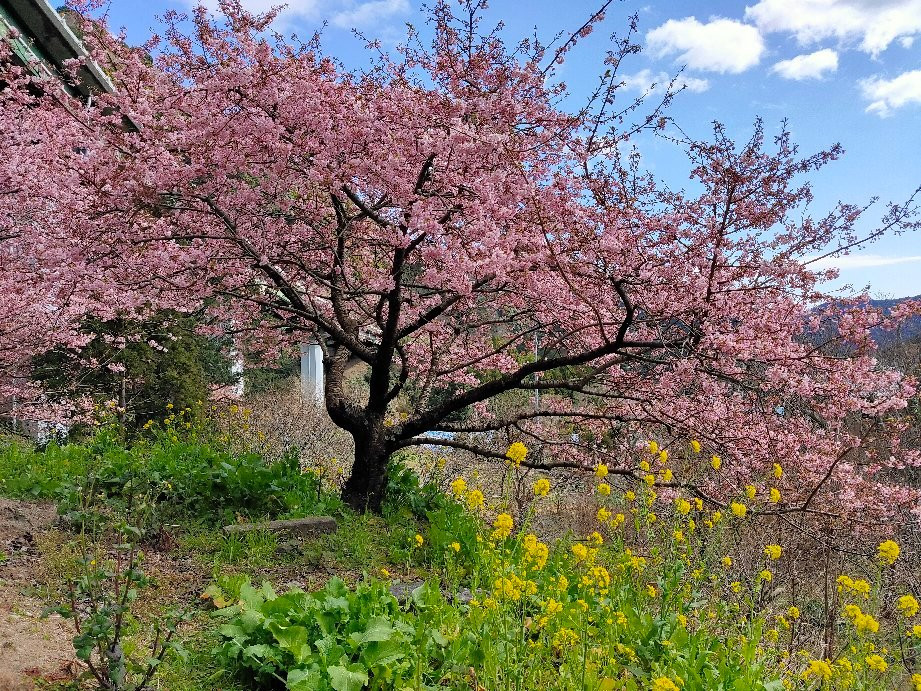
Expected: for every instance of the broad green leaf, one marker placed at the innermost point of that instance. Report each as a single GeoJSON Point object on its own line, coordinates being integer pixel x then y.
{"type": "Point", "coordinates": [378, 629]}
{"type": "Point", "coordinates": [383, 653]}
{"type": "Point", "coordinates": [352, 679]}
{"type": "Point", "coordinates": [305, 680]}
{"type": "Point", "coordinates": [251, 619]}
{"type": "Point", "coordinates": [294, 639]}
{"type": "Point", "coordinates": [232, 631]}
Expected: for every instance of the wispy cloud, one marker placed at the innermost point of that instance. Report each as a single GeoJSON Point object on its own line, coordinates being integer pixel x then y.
{"type": "Point", "coordinates": [647, 81]}
{"type": "Point", "coordinates": [346, 14]}
{"type": "Point", "coordinates": [860, 261]}
{"type": "Point", "coordinates": [365, 14]}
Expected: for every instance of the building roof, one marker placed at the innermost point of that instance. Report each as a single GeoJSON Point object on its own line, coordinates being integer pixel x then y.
{"type": "Point", "coordinates": [46, 42]}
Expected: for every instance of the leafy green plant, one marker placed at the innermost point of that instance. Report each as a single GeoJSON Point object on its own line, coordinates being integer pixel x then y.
{"type": "Point", "coordinates": [337, 638]}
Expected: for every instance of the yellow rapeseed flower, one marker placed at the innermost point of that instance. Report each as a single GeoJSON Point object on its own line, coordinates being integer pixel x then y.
{"type": "Point", "coordinates": [458, 487]}
{"type": "Point", "coordinates": [455, 546]}
{"type": "Point", "coordinates": [516, 453]}
{"type": "Point", "coordinates": [419, 540]}
{"type": "Point", "coordinates": [542, 487]}
{"type": "Point", "coordinates": [876, 662]}
{"type": "Point", "coordinates": [650, 479]}
{"type": "Point", "coordinates": [916, 682]}
{"type": "Point", "coordinates": [604, 489]}
{"type": "Point", "coordinates": [907, 606]}
{"type": "Point", "coordinates": [716, 462]}
{"type": "Point", "coordinates": [503, 526]}
{"type": "Point", "coordinates": [601, 471]}
{"type": "Point", "coordinates": [727, 562]}
{"type": "Point", "coordinates": [888, 552]}
{"type": "Point", "coordinates": [766, 575]}
{"type": "Point", "coordinates": [475, 499]}
{"type": "Point", "coordinates": [552, 607]}
{"type": "Point", "coordinates": [630, 495]}
{"type": "Point", "coordinates": [663, 684]}
{"type": "Point", "coordinates": [777, 471]}
{"type": "Point", "coordinates": [603, 515]}
{"type": "Point", "coordinates": [653, 448]}
{"type": "Point", "coordinates": [772, 551]}
{"type": "Point", "coordinates": [668, 475]}
{"type": "Point", "coordinates": [644, 466]}
{"type": "Point", "coordinates": [663, 456]}
{"type": "Point", "coordinates": [682, 506]}
{"type": "Point", "coordinates": [750, 491]}
{"type": "Point", "coordinates": [695, 446]}
{"type": "Point", "coordinates": [580, 551]}
{"type": "Point", "coordinates": [738, 509]}
{"type": "Point", "coordinates": [866, 622]}
{"type": "Point", "coordinates": [793, 612]}
{"type": "Point", "coordinates": [774, 495]}
{"type": "Point", "coordinates": [819, 669]}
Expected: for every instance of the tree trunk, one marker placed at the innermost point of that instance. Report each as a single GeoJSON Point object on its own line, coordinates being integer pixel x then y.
{"type": "Point", "coordinates": [364, 490]}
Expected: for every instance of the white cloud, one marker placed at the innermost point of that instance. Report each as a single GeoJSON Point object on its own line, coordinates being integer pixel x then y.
{"type": "Point", "coordinates": [886, 95]}
{"type": "Point", "coordinates": [645, 81]}
{"type": "Point", "coordinates": [873, 24]}
{"type": "Point", "coordinates": [810, 66]}
{"type": "Point", "coordinates": [301, 8]}
{"type": "Point", "coordinates": [346, 14]}
{"type": "Point", "coordinates": [720, 45]}
{"type": "Point", "coordinates": [860, 261]}
{"type": "Point", "coordinates": [694, 84]}
{"type": "Point", "coordinates": [368, 13]}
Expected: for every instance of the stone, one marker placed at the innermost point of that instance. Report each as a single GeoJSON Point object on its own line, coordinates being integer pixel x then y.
{"type": "Point", "coordinates": [299, 527]}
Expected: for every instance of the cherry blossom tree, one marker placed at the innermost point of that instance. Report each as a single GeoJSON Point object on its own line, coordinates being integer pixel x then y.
{"type": "Point", "coordinates": [497, 259]}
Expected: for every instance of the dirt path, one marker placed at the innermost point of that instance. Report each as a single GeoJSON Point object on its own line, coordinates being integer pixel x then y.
{"type": "Point", "coordinates": [31, 647]}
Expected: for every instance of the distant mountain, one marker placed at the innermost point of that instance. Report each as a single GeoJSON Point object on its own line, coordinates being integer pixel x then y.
{"type": "Point", "coordinates": [910, 330]}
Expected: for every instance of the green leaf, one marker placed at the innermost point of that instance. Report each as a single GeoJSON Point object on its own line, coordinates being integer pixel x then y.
{"type": "Point", "coordinates": [378, 629]}
{"type": "Point", "coordinates": [327, 622]}
{"type": "Point", "coordinates": [294, 639]}
{"type": "Point", "coordinates": [383, 653]}
{"type": "Point", "coordinates": [352, 679]}
{"type": "Point", "coordinates": [305, 680]}
{"type": "Point", "coordinates": [251, 619]}
{"type": "Point", "coordinates": [232, 631]}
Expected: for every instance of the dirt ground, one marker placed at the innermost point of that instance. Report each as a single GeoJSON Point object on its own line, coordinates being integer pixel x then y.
{"type": "Point", "coordinates": [31, 647]}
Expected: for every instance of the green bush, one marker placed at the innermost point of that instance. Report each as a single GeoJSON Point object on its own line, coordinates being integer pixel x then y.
{"type": "Point", "coordinates": [168, 476]}
{"type": "Point", "coordinates": [26, 473]}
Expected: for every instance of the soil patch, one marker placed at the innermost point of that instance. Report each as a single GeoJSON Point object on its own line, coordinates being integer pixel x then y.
{"type": "Point", "coordinates": [31, 647]}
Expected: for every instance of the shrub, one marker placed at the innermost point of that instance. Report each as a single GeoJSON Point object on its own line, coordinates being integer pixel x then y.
{"type": "Point", "coordinates": [182, 472]}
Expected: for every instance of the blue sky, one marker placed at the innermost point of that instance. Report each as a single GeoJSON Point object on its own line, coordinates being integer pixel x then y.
{"type": "Point", "coordinates": [845, 71]}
